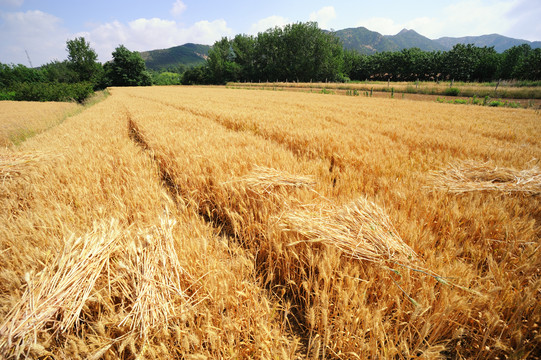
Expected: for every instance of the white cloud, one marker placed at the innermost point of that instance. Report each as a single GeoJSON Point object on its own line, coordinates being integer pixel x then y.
{"type": "Point", "coordinates": [11, 3]}
{"type": "Point", "coordinates": [476, 17]}
{"type": "Point", "coordinates": [323, 16]}
{"type": "Point", "coordinates": [463, 18]}
{"type": "Point", "coordinates": [267, 23]}
{"type": "Point", "coordinates": [39, 33]}
{"type": "Point", "coordinates": [150, 34]}
{"type": "Point", "coordinates": [178, 8]}
{"type": "Point", "coordinates": [44, 37]}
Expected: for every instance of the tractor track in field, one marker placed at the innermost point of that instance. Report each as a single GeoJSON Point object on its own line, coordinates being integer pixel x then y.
{"type": "Point", "coordinates": [174, 191]}
{"type": "Point", "coordinates": [294, 318]}
{"type": "Point", "coordinates": [298, 150]}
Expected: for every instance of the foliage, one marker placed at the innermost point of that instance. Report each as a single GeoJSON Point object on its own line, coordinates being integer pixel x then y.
{"type": "Point", "coordinates": [165, 78]}
{"type": "Point", "coordinates": [452, 91]}
{"type": "Point", "coordinates": [302, 52]}
{"type": "Point", "coordinates": [196, 75]}
{"type": "Point", "coordinates": [296, 52]}
{"type": "Point", "coordinates": [13, 74]}
{"type": "Point", "coordinates": [496, 103]}
{"type": "Point", "coordinates": [82, 59]}
{"type": "Point", "coordinates": [59, 71]}
{"type": "Point", "coordinates": [7, 95]}
{"type": "Point", "coordinates": [127, 69]}
{"type": "Point", "coordinates": [53, 91]}
{"type": "Point", "coordinates": [74, 79]}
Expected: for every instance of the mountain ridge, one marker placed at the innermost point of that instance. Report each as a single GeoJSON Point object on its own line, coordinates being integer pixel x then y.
{"type": "Point", "coordinates": [189, 54]}
{"type": "Point", "coordinates": [355, 39]}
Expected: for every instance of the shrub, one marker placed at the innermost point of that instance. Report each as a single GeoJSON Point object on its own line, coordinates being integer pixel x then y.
{"type": "Point", "coordinates": [53, 91]}
{"type": "Point", "coordinates": [166, 78]}
{"type": "Point", "coordinates": [496, 103]}
{"type": "Point", "coordinates": [513, 105]}
{"type": "Point", "coordinates": [452, 92]}
{"type": "Point", "coordinates": [7, 95]}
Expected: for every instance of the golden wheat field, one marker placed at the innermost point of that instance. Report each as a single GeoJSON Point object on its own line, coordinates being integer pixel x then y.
{"type": "Point", "coordinates": [21, 119]}
{"type": "Point", "coordinates": [209, 223]}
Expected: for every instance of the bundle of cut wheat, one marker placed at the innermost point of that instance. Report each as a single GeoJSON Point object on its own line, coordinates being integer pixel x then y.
{"type": "Point", "coordinates": [13, 164]}
{"type": "Point", "coordinates": [154, 277]}
{"type": "Point", "coordinates": [56, 296]}
{"type": "Point", "coordinates": [468, 176]}
{"type": "Point", "coordinates": [266, 180]}
{"type": "Point", "coordinates": [146, 276]}
{"type": "Point", "coordinates": [360, 229]}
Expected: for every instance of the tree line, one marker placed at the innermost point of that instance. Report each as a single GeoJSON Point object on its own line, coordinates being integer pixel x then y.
{"type": "Point", "coordinates": [75, 78]}
{"type": "Point", "coordinates": [302, 52]}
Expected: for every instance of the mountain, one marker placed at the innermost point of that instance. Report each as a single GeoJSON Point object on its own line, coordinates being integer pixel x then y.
{"type": "Point", "coordinates": [500, 43]}
{"type": "Point", "coordinates": [368, 42]}
{"type": "Point", "coordinates": [365, 41]}
{"type": "Point", "coordinates": [187, 55]}
{"type": "Point", "coordinates": [407, 39]}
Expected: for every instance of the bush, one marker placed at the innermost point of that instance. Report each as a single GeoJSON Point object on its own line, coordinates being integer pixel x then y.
{"type": "Point", "coordinates": [325, 91]}
{"type": "Point", "coordinates": [166, 78]}
{"type": "Point", "coordinates": [7, 95]}
{"type": "Point", "coordinates": [496, 103]}
{"type": "Point", "coordinates": [452, 92]}
{"type": "Point", "coordinates": [53, 91]}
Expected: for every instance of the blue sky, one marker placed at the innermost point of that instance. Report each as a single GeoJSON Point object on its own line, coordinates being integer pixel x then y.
{"type": "Point", "coordinates": [42, 27]}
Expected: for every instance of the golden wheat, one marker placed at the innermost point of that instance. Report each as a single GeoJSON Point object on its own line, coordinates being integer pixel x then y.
{"type": "Point", "coordinates": [20, 119]}
{"type": "Point", "coordinates": [245, 222]}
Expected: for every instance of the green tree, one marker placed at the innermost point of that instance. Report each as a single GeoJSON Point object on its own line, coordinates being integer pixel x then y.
{"type": "Point", "coordinates": [512, 61]}
{"type": "Point", "coordinates": [59, 71]}
{"type": "Point", "coordinates": [487, 64]}
{"type": "Point", "coordinates": [196, 75]}
{"type": "Point", "coordinates": [14, 74]}
{"type": "Point", "coordinates": [529, 68]}
{"type": "Point", "coordinates": [461, 61]}
{"type": "Point", "coordinates": [82, 59]}
{"type": "Point", "coordinates": [300, 52]}
{"type": "Point", "coordinates": [127, 69]}
{"type": "Point", "coordinates": [221, 63]}
{"type": "Point", "coordinates": [243, 47]}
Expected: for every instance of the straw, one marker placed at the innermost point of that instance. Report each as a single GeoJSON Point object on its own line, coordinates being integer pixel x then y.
{"type": "Point", "coordinates": [58, 293]}
{"type": "Point", "coordinates": [361, 230]}
{"type": "Point", "coordinates": [267, 180]}
{"type": "Point", "coordinates": [469, 176]}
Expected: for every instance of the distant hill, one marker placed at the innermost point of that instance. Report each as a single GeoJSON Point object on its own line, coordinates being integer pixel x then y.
{"type": "Point", "coordinates": [187, 54]}
{"type": "Point", "coordinates": [500, 42]}
{"type": "Point", "coordinates": [365, 41]}
{"type": "Point", "coordinates": [368, 42]}
{"type": "Point", "coordinates": [407, 39]}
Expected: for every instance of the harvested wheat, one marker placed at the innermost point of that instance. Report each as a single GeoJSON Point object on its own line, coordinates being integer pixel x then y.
{"type": "Point", "coordinates": [468, 176]}
{"type": "Point", "coordinates": [147, 277]}
{"type": "Point", "coordinates": [156, 279]}
{"type": "Point", "coordinates": [61, 289]}
{"type": "Point", "coordinates": [360, 229]}
{"type": "Point", "coordinates": [266, 180]}
{"type": "Point", "coordinates": [13, 164]}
